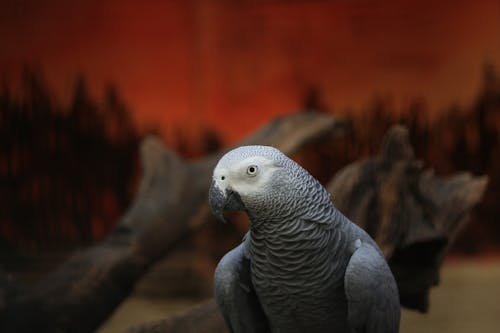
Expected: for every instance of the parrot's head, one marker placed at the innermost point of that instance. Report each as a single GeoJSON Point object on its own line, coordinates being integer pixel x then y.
{"type": "Point", "coordinates": [250, 178]}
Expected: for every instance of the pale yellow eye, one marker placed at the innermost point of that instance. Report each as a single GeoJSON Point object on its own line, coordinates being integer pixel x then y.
{"type": "Point", "coordinates": [252, 170]}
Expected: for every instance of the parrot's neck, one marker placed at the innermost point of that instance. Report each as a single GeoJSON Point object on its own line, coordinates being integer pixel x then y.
{"type": "Point", "coordinates": [287, 238]}
{"type": "Point", "coordinates": [306, 232]}
{"type": "Point", "coordinates": [303, 226]}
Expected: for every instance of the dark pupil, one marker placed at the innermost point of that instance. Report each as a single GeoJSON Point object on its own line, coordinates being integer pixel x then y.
{"type": "Point", "coordinates": [251, 169]}
{"type": "Point", "coordinates": [222, 177]}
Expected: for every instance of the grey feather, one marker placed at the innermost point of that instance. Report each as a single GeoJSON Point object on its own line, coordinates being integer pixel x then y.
{"type": "Point", "coordinates": [371, 292]}
{"type": "Point", "coordinates": [235, 294]}
{"type": "Point", "coordinates": [305, 266]}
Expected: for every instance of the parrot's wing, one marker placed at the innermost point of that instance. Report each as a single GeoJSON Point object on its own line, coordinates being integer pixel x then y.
{"type": "Point", "coordinates": [371, 291]}
{"type": "Point", "coordinates": [235, 294]}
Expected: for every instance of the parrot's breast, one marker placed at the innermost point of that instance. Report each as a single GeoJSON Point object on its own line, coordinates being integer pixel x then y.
{"type": "Point", "coordinates": [297, 271]}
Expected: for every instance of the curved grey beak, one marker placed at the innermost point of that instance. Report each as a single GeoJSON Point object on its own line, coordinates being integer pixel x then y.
{"type": "Point", "coordinates": [220, 201]}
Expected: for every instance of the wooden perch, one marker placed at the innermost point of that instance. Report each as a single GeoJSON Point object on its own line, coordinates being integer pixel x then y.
{"type": "Point", "coordinates": [412, 214]}
{"type": "Point", "coordinates": [205, 318]}
{"type": "Point", "coordinates": [171, 202]}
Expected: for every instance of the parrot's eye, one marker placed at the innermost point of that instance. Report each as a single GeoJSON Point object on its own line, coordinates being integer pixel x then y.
{"type": "Point", "coordinates": [252, 170]}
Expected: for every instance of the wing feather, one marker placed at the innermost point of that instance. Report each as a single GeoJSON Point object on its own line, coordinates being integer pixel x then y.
{"type": "Point", "coordinates": [235, 294]}
{"type": "Point", "coordinates": [371, 291]}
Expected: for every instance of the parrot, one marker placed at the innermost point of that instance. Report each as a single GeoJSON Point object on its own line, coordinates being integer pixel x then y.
{"type": "Point", "coordinates": [302, 266]}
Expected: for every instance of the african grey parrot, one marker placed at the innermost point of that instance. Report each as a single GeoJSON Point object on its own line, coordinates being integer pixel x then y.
{"type": "Point", "coordinates": [303, 266]}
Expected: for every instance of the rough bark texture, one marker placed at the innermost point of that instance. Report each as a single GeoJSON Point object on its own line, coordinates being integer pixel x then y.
{"type": "Point", "coordinates": [171, 202]}
{"type": "Point", "coordinates": [412, 214]}
{"type": "Point", "coordinates": [205, 318]}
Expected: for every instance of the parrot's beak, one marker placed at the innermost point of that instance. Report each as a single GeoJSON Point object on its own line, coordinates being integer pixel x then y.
{"type": "Point", "coordinates": [220, 201]}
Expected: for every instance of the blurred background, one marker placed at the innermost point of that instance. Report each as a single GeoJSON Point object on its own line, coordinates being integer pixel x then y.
{"type": "Point", "coordinates": [81, 82]}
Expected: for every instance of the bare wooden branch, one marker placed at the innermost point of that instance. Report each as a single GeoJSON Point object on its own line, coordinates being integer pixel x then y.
{"type": "Point", "coordinates": [171, 202]}
{"type": "Point", "coordinates": [205, 317]}
{"type": "Point", "coordinates": [413, 214]}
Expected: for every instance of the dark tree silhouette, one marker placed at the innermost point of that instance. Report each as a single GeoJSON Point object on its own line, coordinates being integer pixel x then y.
{"type": "Point", "coordinates": [65, 171]}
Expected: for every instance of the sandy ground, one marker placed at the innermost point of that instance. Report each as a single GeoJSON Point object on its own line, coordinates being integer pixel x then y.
{"type": "Point", "coordinates": [468, 300]}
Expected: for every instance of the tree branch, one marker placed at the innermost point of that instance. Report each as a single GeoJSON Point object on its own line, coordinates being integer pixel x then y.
{"type": "Point", "coordinates": [412, 214]}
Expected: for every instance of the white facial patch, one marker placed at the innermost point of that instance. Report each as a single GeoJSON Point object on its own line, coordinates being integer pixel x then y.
{"type": "Point", "coordinates": [247, 176]}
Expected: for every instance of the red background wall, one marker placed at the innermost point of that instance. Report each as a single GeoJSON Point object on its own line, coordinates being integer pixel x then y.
{"type": "Point", "coordinates": [234, 64]}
